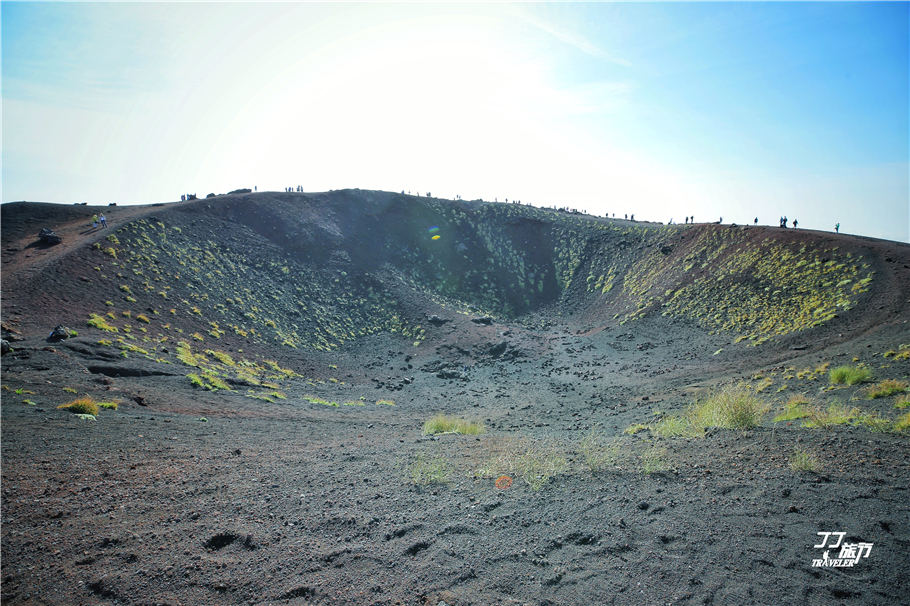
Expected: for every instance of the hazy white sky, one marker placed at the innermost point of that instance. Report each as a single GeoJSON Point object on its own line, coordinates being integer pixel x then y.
{"type": "Point", "coordinates": [663, 110]}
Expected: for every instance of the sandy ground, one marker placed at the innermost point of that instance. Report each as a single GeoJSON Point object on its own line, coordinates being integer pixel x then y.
{"type": "Point", "coordinates": [184, 496]}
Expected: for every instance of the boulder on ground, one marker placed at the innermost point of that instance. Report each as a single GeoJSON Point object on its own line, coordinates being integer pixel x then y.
{"type": "Point", "coordinates": [486, 320]}
{"type": "Point", "coordinates": [47, 236]}
{"type": "Point", "coordinates": [59, 333]}
{"type": "Point", "coordinates": [241, 191]}
{"type": "Point", "coordinates": [211, 195]}
{"type": "Point", "coordinates": [4, 347]}
{"type": "Point", "coordinates": [436, 320]}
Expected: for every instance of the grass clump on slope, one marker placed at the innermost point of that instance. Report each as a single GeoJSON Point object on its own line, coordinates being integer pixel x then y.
{"type": "Point", "coordinates": [597, 451]}
{"type": "Point", "coordinates": [83, 406]}
{"type": "Point", "coordinates": [886, 388]}
{"type": "Point", "coordinates": [427, 470]}
{"type": "Point", "coordinates": [804, 460]}
{"type": "Point", "coordinates": [734, 407]}
{"type": "Point", "coordinates": [442, 423]}
{"type": "Point", "coordinates": [848, 375]}
{"type": "Point", "coordinates": [97, 321]}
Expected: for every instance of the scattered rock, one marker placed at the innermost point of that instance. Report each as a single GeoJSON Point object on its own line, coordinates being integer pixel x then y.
{"type": "Point", "coordinates": [47, 236]}
{"type": "Point", "coordinates": [498, 349]}
{"type": "Point", "coordinates": [485, 320]}
{"type": "Point", "coordinates": [4, 347]}
{"type": "Point", "coordinates": [59, 333]}
{"type": "Point", "coordinates": [436, 320]}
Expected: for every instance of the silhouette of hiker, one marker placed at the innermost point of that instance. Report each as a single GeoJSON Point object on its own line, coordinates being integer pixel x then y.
{"type": "Point", "coordinates": [795, 223]}
{"type": "Point", "coordinates": [103, 220]}
{"type": "Point", "coordinates": [94, 221]}
{"type": "Point", "coordinates": [837, 228]}
{"type": "Point", "coordinates": [756, 220]}
{"type": "Point", "coordinates": [721, 221]}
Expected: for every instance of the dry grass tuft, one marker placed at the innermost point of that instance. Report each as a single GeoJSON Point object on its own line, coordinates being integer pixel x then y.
{"type": "Point", "coordinates": [804, 460]}
{"type": "Point", "coordinates": [886, 388]}
{"type": "Point", "coordinates": [441, 423]}
{"type": "Point", "coordinates": [597, 450]}
{"type": "Point", "coordinates": [83, 406]}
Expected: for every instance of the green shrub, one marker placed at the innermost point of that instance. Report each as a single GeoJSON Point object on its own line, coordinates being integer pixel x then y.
{"type": "Point", "coordinates": [143, 318]}
{"type": "Point", "coordinates": [195, 380]}
{"type": "Point", "coordinates": [83, 406]}
{"type": "Point", "coordinates": [386, 402]}
{"type": "Point", "coordinates": [108, 405]}
{"type": "Point", "coordinates": [734, 407]}
{"type": "Point", "coordinates": [902, 423]}
{"type": "Point", "coordinates": [849, 375]}
{"type": "Point", "coordinates": [441, 423]}
{"type": "Point", "coordinates": [903, 402]}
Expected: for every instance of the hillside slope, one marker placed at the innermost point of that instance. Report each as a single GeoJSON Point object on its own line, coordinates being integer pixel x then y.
{"type": "Point", "coordinates": [314, 271]}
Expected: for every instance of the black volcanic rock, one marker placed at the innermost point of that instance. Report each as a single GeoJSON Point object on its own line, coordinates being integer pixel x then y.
{"type": "Point", "coordinates": [47, 236]}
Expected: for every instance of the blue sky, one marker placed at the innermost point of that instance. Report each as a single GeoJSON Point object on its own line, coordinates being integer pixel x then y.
{"type": "Point", "coordinates": [659, 109]}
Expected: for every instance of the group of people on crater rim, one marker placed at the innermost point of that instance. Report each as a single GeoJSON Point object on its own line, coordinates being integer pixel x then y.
{"type": "Point", "coordinates": [298, 189]}
{"type": "Point", "coordinates": [186, 197]}
{"type": "Point", "coordinates": [783, 222]}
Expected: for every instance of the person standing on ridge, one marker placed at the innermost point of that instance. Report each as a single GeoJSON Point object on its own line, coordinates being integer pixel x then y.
{"type": "Point", "coordinates": [103, 220]}
{"type": "Point", "coordinates": [837, 228]}
{"type": "Point", "coordinates": [795, 223]}
{"type": "Point", "coordinates": [94, 221]}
